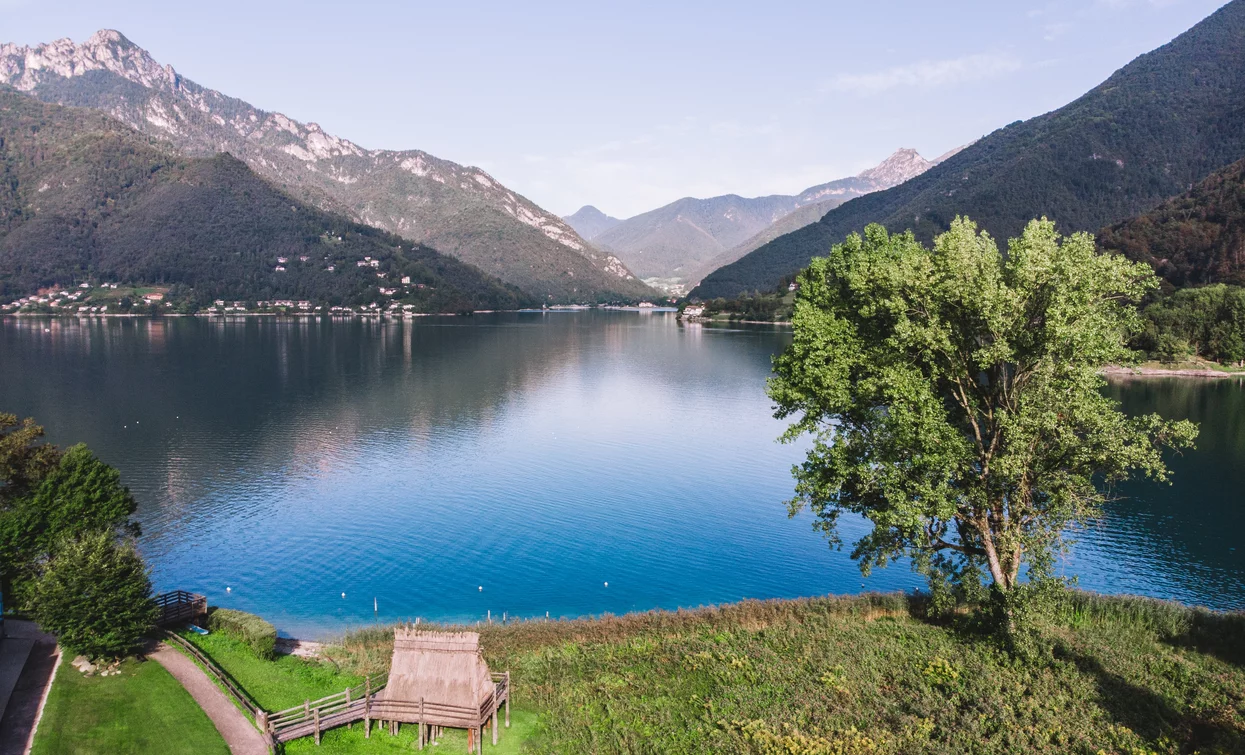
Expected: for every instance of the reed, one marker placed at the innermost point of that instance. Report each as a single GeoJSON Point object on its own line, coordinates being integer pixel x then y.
{"type": "Point", "coordinates": [868, 674]}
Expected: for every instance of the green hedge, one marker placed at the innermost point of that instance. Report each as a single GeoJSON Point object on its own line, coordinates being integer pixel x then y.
{"type": "Point", "coordinates": [258, 634]}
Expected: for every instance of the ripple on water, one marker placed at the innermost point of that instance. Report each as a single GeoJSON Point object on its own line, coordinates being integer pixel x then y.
{"type": "Point", "coordinates": [537, 456]}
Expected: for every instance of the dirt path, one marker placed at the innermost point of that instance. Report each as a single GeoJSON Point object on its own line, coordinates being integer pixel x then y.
{"type": "Point", "coordinates": [239, 733]}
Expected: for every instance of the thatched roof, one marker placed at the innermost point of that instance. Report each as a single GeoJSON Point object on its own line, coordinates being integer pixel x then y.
{"type": "Point", "coordinates": [440, 667]}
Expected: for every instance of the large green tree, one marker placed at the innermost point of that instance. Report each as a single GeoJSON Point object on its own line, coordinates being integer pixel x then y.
{"type": "Point", "coordinates": [95, 595]}
{"type": "Point", "coordinates": [954, 398]}
{"type": "Point", "coordinates": [47, 495]}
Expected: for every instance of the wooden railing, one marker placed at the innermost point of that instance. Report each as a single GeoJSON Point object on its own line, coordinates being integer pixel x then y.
{"type": "Point", "coordinates": [219, 674]}
{"type": "Point", "coordinates": [361, 704]}
{"type": "Point", "coordinates": [313, 716]}
{"type": "Point", "coordinates": [179, 606]}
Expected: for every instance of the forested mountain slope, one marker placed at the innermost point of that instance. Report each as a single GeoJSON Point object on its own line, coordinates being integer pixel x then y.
{"type": "Point", "coordinates": [455, 209]}
{"type": "Point", "coordinates": [1155, 127]}
{"type": "Point", "coordinates": [83, 196]}
{"type": "Point", "coordinates": [1195, 238]}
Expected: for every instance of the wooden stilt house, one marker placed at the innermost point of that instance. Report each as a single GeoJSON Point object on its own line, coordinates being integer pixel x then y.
{"type": "Point", "coordinates": [440, 679]}
{"type": "Point", "coordinates": [437, 680]}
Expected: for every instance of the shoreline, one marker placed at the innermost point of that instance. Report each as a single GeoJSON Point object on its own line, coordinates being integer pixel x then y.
{"type": "Point", "coordinates": [1116, 371]}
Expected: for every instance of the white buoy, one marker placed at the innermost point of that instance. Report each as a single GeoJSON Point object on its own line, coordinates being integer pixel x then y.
{"type": "Point", "coordinates": [343, 595]}
{"type": "Point", "coordinates": [607, 584]}
{"type": "Point", "coordinates": [228, 589]}
{"type": "Point", "coordinates": [481, 588]}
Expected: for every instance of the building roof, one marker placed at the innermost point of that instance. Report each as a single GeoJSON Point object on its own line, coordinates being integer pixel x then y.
{"type": "Point", "coordinates": [439, 667]}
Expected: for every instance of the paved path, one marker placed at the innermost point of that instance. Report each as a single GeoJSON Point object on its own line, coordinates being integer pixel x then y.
{"type": "Point", "coordinates": [29, 690]}
{"type": "Point", "coordinates": [239, 733]}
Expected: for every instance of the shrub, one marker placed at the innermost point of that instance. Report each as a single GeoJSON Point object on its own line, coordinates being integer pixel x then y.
{"type": "Point", "coordinates": [95, 595]}
{"type": "Point", "coordinates": [258, 634]}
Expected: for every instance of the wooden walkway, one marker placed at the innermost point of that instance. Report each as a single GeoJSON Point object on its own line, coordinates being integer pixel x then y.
{"type": "Point", "coordinates": [363, 703]}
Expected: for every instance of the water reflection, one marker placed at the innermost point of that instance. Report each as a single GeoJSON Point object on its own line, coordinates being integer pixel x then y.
{"type": "Point", "coordinates": [539, 456]}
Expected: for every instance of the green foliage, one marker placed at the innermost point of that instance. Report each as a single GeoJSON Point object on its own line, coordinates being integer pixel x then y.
{"type": "Point", "coordinates": [141, 710]}
{"type": "Point", "coordinates": [1158, 125]}
{"type": "Point", "coordinates": [1208, 321]}
{"type": "Point", "coordinates": [88, 198]}
{"type": "Point", "coordinates": [871, 674]}
{"type": "Point", "coordinates": [24, 458]}
{"type": "Point", "coordinates": [95, 595]}
{"type": "Point", "coordinates": [80, 494]}
{"type": "Point", "coordinates": [756, 307]}
{"type": "Point", "coordinates": [254, 632]}
{"type": "Point", "coordinates": [954, 398]}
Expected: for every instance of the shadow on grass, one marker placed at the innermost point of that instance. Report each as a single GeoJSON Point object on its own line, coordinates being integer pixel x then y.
{"type": "Point", "coordinates": [1219, 634]}
{"type": "Point", "coordinates": [1153, 717]}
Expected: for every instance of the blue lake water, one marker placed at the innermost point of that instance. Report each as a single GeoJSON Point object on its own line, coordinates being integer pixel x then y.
{"type": "Point", "coordinates": [280, 463]}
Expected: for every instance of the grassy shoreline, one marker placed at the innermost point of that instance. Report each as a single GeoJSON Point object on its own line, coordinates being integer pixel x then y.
{"type": "Point", "coordinates": [858, 675]}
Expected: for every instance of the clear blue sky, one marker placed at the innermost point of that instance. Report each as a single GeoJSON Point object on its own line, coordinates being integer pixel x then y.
{"type": "Point", "coordinates": [630, 106]}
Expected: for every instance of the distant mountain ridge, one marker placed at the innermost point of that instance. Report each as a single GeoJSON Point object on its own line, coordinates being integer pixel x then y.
{"type": "Point", "coordinates": [690, 237]}
{"type": "Point", "coordinates": [84, 197]}
{"type": "Point", "coordinates": [590, 222]}
{"type": "Point", "coordinates": [1155, 127]}
{"type": "Point", "coordinates": [1193, 239]}
{"type": "Point", "coordinates": [458, 210]}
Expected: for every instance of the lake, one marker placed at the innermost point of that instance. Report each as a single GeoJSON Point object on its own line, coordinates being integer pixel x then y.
{"type": "Point", "coordinates": [328, 474]}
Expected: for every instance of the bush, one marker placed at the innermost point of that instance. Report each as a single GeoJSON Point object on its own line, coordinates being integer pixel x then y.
{"type": "Point", "coordinates": [259, 635]}
{"type": "Point", "coordinates": [95, 595]}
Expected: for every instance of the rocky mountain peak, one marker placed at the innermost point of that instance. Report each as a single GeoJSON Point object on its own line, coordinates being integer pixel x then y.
{"type": "Point", "coordinates": [903, 164]}
{"type": "Point", "coordinates": [24, 68]}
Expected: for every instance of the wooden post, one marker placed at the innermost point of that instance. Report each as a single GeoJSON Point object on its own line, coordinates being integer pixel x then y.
{"type": "Point", "coordinates": [349, 724]}
{"type": "Point", "coordinates": [471, 746]}
{"type": "Point", "coordinates": [494, 727]}
{"type": "Point", "coordinates": [317, 727]}
{"type": "Point", "coordinates": [261, 721]}
{"type": "Point", "coordinates": [421, 723]}
{"type": "Point", "coordinates": [507, 698]}
{"type": "Point", "coordinates": [367, 718]}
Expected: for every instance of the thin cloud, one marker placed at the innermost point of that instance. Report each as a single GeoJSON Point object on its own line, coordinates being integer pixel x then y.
{"type": "Point", "coordinates": [927, 73]}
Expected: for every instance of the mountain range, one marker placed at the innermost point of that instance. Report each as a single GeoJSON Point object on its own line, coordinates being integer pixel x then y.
{"type": "Point", "coordinates": [690, 237]}
{"type": "Point", "coordinates": [84, 197]}
{"type": "Point", "coordinates": [457, 210]}
{"type": "Point", "coordinates": [1149, 132]}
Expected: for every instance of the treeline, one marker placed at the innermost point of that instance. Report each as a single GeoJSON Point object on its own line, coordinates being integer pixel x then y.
{"type": "Point", "coordinates": [83, 197]}
{"type": "Point", "coordinates": [1206, 322]}
{"type": "Point", "coordinates": [756, 306]}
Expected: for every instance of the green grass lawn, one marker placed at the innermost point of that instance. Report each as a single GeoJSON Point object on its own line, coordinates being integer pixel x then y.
{"type": "Point", "coordinates": [142, 710]}
{"type": "Point", "coordinates": [277, 684]}
{"type": "Point", "coordinates": [288, 681]}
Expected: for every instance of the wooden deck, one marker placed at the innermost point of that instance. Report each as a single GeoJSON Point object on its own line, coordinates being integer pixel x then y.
{"type": "Point", "coordinates": [361, 703]}
{"type": "Point", "coordinates": [180, 607]}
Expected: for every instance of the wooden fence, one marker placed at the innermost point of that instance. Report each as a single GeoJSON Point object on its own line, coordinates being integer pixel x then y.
{"type": "Point", "coordinates": [351, 704]}
{"type": "Point", "coordinates": [220, 677]}
{"type": "Point", "coordinates": [314, 716]}
{"type": "Point", "coordinates": [180, 606]}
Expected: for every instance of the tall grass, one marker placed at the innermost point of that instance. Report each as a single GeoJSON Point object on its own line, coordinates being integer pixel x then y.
{"type": "Point", "coordinates": [868, 674]}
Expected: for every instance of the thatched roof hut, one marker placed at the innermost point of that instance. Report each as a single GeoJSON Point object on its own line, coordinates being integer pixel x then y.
{"type": "Point", "coordinates": [440, 667]}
